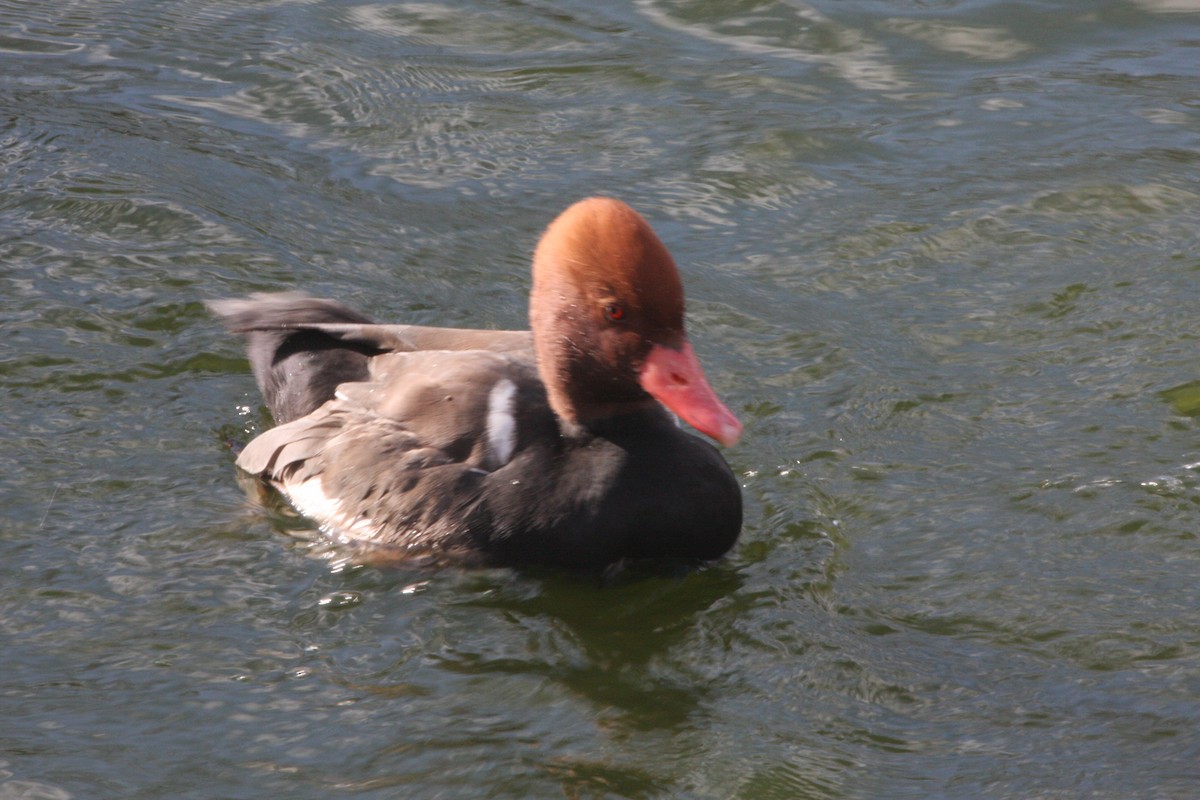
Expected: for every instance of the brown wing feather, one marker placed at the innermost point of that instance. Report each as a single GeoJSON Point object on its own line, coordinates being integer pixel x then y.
{"type": "Point", "coordinates": [399, 457]}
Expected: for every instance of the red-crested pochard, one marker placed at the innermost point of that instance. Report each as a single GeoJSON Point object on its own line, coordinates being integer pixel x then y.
{"type": "Point", "coordinates": [548, 446]}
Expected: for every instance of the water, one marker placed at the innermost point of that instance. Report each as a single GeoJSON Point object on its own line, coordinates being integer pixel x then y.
{"type": "Point", "coordinates": [942, 258]}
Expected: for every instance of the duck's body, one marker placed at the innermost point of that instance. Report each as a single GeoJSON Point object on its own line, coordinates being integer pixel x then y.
{"type": "Point", "coordinates": [506, 447]}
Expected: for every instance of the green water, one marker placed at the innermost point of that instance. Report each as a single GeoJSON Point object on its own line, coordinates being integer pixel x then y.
{"type": "Point", "coordinates": [943, 259]}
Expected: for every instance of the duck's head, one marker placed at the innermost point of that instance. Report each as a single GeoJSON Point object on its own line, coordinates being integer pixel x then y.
{"type": "Point", "coordinates": [607, 317]}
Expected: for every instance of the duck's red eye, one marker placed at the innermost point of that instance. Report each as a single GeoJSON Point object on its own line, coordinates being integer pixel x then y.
{"type": "Point", "coordinates": [615, 312]}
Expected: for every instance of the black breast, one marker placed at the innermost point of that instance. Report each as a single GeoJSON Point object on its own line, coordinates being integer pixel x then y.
{"type": "Point", "coordinates": [633, 487]}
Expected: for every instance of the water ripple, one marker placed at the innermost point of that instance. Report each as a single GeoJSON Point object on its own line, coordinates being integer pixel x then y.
{"type": "Point", "coordinates": [983, 43]}
{"type": "Point", "coordinates": [792, 31]}
{"type": "Point", "coordinates": [474, 31]}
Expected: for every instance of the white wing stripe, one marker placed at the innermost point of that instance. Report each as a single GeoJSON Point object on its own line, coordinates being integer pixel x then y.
{"type": "Point", "coordinates": [501, 424]}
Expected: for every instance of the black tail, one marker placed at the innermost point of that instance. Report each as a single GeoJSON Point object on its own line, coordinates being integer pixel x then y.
{"type": "Point", "coordinates": [297, 368]}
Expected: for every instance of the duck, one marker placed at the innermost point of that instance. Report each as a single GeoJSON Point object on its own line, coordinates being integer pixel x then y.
{"type": "Point", "coordinates": [557, 446]}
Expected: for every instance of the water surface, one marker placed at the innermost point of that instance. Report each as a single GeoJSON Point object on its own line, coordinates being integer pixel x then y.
{"type": "Point", "coordinates": [942, 258]}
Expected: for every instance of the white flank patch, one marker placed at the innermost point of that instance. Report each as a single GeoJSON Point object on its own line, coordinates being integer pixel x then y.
{"type": "Point", "coordinates": [310, 499]}
{"type": "Point", "coordinates": [501, 424]}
